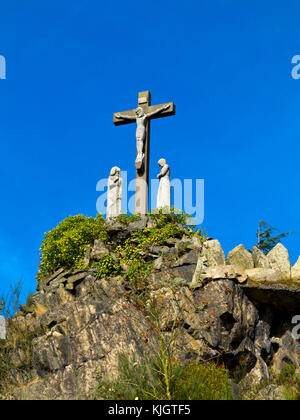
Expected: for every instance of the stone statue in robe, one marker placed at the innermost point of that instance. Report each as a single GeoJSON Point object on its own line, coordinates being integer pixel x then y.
{"type": "Point", "coordinates": [114, 193]}
{"type": "Point", "coordinates": [141, 121]}
{"type": "Point", "coordinates": [164, 190]}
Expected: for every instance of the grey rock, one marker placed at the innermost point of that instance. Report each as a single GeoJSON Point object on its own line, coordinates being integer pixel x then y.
{"type": "Point", "coordinates": [260, 259]}
{"type": "Point", "coordinates": [210, 255]}
{"type": "Point", "coordinates": [257, 376]}
{"type": "Point", "coordinates": [3, 327]}
{"type": "Point", "coordinates": [287, 349]}
{"type": "Point", "coordinates": [262, 338]}
{"type": "Point", "coordinates": [295, 271]}
{"type": "Point", "coordinates": [284, 297]}
{"type": "Point", "coordinates": [188, 244]}
{"type": "Point", "coordinates": [263, 275]}
{"type": "Point", "coordinates": [279, 260]}
{"type": "Point", "coordinates": [271, 393]}
{"type": "Point", "coordinates": [99, 249]}
{"type": "Point", "coordinates": [241, 257]}
{"type": "Point", "coordinates": [187, 259]}
{"type": "Point", "coordinates": [138, 224]}
{"type": "Point", "coordinates": [221, 272]}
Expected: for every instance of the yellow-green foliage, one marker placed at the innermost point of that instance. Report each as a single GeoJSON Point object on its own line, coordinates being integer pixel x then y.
{"type": "Point", "coordinates": [107, 266]}
{"type": "Point", "coordinates": [203, 382]}
{"type": "Point", "coordinates": [134, 247]}
{"type": "Point", "coordinates": [65, 245]}
{"type": "Point", "coordinates": [144, 380]}
{"type": "Point", "coordinates": [289, 378]}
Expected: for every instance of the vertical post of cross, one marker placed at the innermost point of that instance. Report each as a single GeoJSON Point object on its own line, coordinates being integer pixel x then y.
{"type": "Point", "coordinates": [142, 175]}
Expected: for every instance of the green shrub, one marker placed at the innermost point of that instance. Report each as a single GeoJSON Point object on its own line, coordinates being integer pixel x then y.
{"type": "Point", "coordinates": [138, 272]}
{"type": "Point", "coordinates": [161, 217]}
{"type": "Point", "coordinates": [108, 266]}
{"type": "Point", "coordinates": [128, 218]}
{"type": "Point", "coordinates": [289, 379]}
{"type": "Point", "coordinates": [202, 382]}
{"type": "Point", "coordinates": [145, 380]}
{"type": "Point", "coordinates": [135, 247]}
{"type": "Point", "coordinates": [287, 373]}
{"type": "Point", "coordinates": [65, 245]}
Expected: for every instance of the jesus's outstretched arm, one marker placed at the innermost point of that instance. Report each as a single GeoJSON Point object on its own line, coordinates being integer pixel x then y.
{"type": "Point", "coordinates": [157, 111]}
{"type": "Point", "coordinates": [125, 117]}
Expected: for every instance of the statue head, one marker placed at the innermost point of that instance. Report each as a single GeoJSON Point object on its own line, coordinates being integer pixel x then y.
{"type": "Point", "coordinates": [115, 171]}
{"type": "Point", "coordinates": [139, 112]}
{"type": "Point", "coordinates": [162, 162]}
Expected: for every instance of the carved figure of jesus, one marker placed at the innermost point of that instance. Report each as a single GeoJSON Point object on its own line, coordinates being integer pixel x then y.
{"type": "Point", "coordinates": [141, 121]}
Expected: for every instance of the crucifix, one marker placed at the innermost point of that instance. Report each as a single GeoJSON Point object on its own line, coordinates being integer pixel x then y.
{"type": "Point", "coordinates": [142, 116]}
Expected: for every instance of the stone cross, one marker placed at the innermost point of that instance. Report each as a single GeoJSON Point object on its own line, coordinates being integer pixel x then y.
{"type": "Point", "coordinates": [142, 116]}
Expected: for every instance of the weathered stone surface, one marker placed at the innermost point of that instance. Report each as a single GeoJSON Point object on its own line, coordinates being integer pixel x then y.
{"type": "Point", "coordinates": [139, 224]}
{"type": "Point", "coordinates": [81, 323]}
{"type": "Point", "coordinates": [258, 375]}
{"type": "Point", "coordinates": [286, 348]}
{"type": "Point", "coordinates": [279, 260]}
{"type": "Point", "coordinates": [295, 271]}
{"type": "Point", "coordinates": [2, 328]}
{"type": "Point", "coordinates": [241, 257]}
{"type": "Point", "coordinates": [187, 259]}
{"type": "Point", "coordinates": [259, 258]}
{"type": "Point", "coordinates": [214, 253]}
{"type": "Point", "coordinates": [83, 342]}
{"type": "Point", "coordinates": [271, 393]}
{"type": "Point", "coordinates": [210, 255]}
{"type": "Point", "coordinates": [219, 319]}
{"type": "Point", "coordinates": [221, 272]}
{"type": "Point", "coordinates": [185, 273]}
{"type": "Point", "coordinates": [99, 249]}
{"type": "Point", "coordinates": [263, 275]}
{"type": "Point", "coordinates": [284, 296]}
{"type": "Point", "coordinates": [185, 245]}
{"type": "Point", "coordinates": [262, 338]}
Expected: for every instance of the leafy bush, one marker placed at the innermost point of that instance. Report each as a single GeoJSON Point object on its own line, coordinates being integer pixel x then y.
{"type": "Point", "coordinates": [108, 266]}
{"type": "Point", "coordinates": [65, 245]}
{"type": "Point", "coordinates": [162, 217]}
{"type": "Point", "coordinates": [138, 272]}
{"type": "Point", "coordinates": [135, 247]}
{"type": "Point", "coordinates": [128, 218]}
{"type": "Point", "coordinates": [203, 382]}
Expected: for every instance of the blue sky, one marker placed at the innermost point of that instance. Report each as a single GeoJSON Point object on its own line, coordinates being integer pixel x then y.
{"type": "Point", "coordinates": [71, 64]}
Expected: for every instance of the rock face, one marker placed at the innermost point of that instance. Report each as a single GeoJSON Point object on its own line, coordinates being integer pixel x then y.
{"type": "Point", "coordinates": [279, 260]}
{"type": "Point", "coordinates": [295, 271]}
{"type": "Point", "coordinates": [237, 312]}
{"type": "Point", "coordinates": [210, 254]}
{"type": "Point", "coordinates": [260, 259]}
{"type": "Point", "coordinates": [2, 328]}
{"type": "Point", "coordinates": [241, 257]}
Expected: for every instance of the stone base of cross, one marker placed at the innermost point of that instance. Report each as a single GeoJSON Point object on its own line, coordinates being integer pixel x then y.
{"type": "Point", "coordinates": [142, 116]}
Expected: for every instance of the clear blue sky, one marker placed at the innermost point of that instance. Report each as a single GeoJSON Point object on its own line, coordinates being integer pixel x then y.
{"type": "Point", "coordinates": [71, 64]}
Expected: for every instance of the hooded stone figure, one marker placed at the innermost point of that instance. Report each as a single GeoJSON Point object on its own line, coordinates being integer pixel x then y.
{"type": "Point", "coordinates": [114, 193]}
{"type": "Point", "coordinates": [164, 190]}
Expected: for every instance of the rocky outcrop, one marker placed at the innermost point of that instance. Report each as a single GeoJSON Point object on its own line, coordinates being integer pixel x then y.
{"type": "Point", "coordinates": [295, 271]}
{"type": "Point", "coordinates": [2, 328]}
{"type": "Point", "coordinates": [241, 257]}
{"type": "Point", "coordinates": [235, 311]}
{"type": "Point", "coordinates": [279, 260]}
